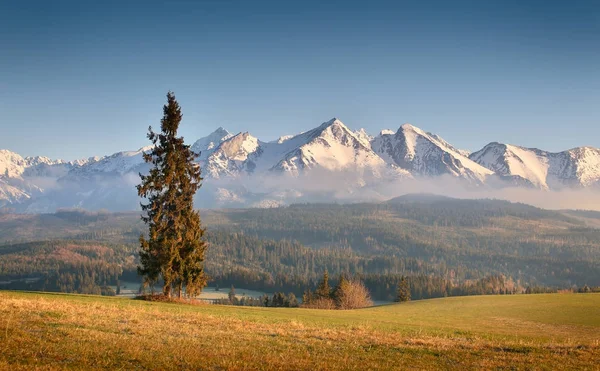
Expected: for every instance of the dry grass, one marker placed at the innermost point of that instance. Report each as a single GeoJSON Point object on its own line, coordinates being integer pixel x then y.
{"type": "Point", "coordinates": [44, 331]}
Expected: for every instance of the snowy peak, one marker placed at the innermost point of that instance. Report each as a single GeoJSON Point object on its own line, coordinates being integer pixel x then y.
{"type": "Point", "coordinates": [116, 164]}
{"type": "Point", "coordinates": [520, 165]}
{"type": "Point", "coordinates": [586, 161]}
{"type": "Point", "coordinates": [424, 154]}
{"type": "Point", "coordinates": [207, 144]}
{"type": "Point", "coordinates": [331, 146]}
{"type": "Point", "coordinates": [11, 164]}
{"type": "Point", "coordinates": [364, 137]}
{"type": "Point", "coordinates": [238, 147]}
{"type": "Point", "coordinates": [541, 169]}
{"type": "Point", "coordinates": [229, 158]}
{"type": "Point", "coordinates": [327, 153]}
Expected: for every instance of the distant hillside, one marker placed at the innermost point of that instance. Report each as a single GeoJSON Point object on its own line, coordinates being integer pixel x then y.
{"type": "Point", "coordinates": [456, 242]}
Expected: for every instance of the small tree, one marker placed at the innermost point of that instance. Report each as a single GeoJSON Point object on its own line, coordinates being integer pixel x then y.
{"type": "Point", "coordinates": [324, 291]}
{"type": "Point", "coordinates": [265, 300]}
{"type": "Point", "coordinates": [340, 289]}
{"type": "Point", "coordinates": [403, 292]}
{"type": "Point", "coordinates": [291, 300]}
{"type": "Point", "coordinates": [352, 294]}
{"type": "Point", "coordinates": [586, 289]}
{"type": "Point", "coordinates": [277, 300]}
{"type": "Point", "coordinates": [231, 295]}
{"type": "Point", "coordinates": [307, 297]}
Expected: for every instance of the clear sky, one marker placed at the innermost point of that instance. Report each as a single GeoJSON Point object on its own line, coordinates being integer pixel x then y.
{"type": "Point", "coordinates": [83, 78]}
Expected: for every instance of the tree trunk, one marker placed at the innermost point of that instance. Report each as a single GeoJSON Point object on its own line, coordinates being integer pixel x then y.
{"type": "Point", "coordinates": [167, 290]}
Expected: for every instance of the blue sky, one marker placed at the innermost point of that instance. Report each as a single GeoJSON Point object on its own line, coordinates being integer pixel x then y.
{"type": "Point", "coordinates": [87, 78]}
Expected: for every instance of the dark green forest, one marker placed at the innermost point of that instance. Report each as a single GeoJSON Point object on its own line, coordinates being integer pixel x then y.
{"type": "Point", "coordinates": [445, 247]}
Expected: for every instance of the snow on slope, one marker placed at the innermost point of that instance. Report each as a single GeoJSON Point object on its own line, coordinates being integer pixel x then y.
{"type": "Point", "coordinates": [448, 145]}
{"type": "Point", "coordinates": [125, 162]}
{"type": "Point", "coordinates": [205, 146]}
{"type": "Point", "coordinates": [423, 154]}
{"type": "Point", "coordinates": [328, 162]}
{"type": "Point", "coordinates": [541, 169]}
{"type": "Point", "coordinates": [364, 137]}
{"type": "Point", "coordinates": [10, 194]}
{"type": "Point", "coordinates": [282, 139]}
{"type": "Point", "coordinates": [229, 158]}
{"type": "Point", "coordinates": [331, 146]}
{"type": "Point", "coordinates": [529, 165]}
{"type": "Point", "coordinates": [23, 178]}
{"type": "Point", "coordinates": [116, 164]}
{"type": "Point", "coordinates": [11, 164]}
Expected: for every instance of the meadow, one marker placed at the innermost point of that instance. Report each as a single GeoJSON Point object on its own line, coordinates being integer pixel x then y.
{"type": "Point", "coordinates": [61, 331]}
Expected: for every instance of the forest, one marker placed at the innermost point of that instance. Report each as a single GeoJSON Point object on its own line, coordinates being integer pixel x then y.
{"type": "Point", "coordinates": [446, 247]}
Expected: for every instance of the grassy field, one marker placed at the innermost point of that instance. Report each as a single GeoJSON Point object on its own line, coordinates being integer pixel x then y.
{"type": "Point", "coordinates": [55, 331]}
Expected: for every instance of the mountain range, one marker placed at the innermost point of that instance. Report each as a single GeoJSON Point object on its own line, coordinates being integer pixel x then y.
{"type": "Point", "coordinates": [326, 163]}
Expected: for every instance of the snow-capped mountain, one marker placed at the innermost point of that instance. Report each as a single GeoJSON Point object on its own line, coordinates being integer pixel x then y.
{"type": "Point", "coordinates": [205, 146]}
{"type": "Point", "coordinates": [22, 178]}
{"type": "Point", "coordinates": [331, 146]}
{"type": "Point", "coordinates": [328, 162]}
{"type": "Point", "coordinates": [230, 157]}
{"type": "Point", "coordinates": [10, 194]}
{"type": "Point", "coordinates": [540, 169]}
{"type": "Point", "coordinates": [425, 154]}
{"type": "Point", "coordinates": [116, 164]}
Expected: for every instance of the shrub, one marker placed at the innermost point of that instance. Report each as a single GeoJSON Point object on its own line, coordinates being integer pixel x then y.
{"type": "Point", "coordinates": [352, 294]}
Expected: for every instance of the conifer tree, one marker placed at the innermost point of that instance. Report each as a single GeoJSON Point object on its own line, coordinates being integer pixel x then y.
{"type": "Point", "coordinates": [265, 300]}
{"type": "Point", "coordinates": [324, 291]}
{"type": "Point", "coordinates": [307, 297]}
{"type": "Point", "coordinates": [174, 249]}
{"type": "Point", "coordinates": [403, 292]}
{"type": "Point", "coordinates": [231, 295]}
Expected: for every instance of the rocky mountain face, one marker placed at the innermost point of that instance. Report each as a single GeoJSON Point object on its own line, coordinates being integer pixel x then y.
{"type": "Point", "coordinates": [327, 163]}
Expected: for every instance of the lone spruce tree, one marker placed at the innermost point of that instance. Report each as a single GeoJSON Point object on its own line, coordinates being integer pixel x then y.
{"type": "Point", "coordinates": [174, 249]}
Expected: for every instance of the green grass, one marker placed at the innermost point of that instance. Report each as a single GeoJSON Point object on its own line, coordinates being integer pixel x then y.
{"type": "Point", "coordinates": [55, 331]}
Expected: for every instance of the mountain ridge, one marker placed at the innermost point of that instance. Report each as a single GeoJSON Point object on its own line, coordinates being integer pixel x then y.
{"type": "Point", "coordinates": [322, 155]}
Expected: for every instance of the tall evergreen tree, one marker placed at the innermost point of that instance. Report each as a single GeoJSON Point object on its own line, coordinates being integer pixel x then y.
{"type": "Point", "coordinates": [174, 249]}
{"type": "Point", "coordinates": [403, 292]}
